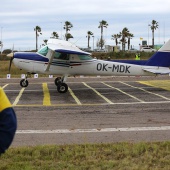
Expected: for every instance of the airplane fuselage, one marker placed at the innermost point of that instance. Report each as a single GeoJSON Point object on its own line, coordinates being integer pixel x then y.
{"type": "Point", "coordinates": [35, 63]}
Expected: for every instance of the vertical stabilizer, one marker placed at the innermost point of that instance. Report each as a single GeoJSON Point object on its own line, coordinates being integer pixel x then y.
{"type": "Point", "coordinates": [162, 57]}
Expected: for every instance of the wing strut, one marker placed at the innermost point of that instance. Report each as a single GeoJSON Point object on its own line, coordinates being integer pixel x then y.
{"type": "Point", "coordinates": [50, 56]}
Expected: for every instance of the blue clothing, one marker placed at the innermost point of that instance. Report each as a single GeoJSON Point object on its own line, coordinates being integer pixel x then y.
{"type": "Point", "coordinates": [8, 126]}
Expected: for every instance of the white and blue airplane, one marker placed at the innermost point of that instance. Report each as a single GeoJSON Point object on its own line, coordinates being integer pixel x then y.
{"type": "Point", "coordinates": [63, 58]}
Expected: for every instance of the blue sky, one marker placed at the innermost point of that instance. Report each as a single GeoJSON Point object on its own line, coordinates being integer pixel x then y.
{"type": "Point", "coordinates": [18, 18]}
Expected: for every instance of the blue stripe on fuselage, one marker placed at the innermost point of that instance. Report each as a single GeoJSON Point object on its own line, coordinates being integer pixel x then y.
{"type": "Point", "coordinates": [160, 59]}
{"type": "Point", "coordinates": [136, 62]}
{"type": "Point", "coordinates": [30, 56]}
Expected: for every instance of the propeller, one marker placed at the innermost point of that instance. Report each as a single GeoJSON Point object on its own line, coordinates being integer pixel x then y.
{"type": "Point", "coordinates": [10, 63]}
{"type": "Point", "coordinates": [11, 56]}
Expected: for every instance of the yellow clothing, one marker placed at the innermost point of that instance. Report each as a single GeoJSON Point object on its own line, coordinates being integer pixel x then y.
{"type": "Point", "coordinates": [137, 57]}
{"type": "Point", "coordinates": [4, 102]}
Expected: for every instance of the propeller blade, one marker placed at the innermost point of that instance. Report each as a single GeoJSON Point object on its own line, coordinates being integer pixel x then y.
{"type": "Point", "coordinates": [10, 63]}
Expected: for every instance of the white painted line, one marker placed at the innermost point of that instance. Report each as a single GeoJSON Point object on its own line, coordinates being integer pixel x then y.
{"type": "Point", "coordinates": [145, 91]}
{"type": "Point", "coordinates": [130, 129]}
{"type": "Point", "coordinates": [99, 94]}
{"type": "Point", "coordinates": [123, 92]}
{"type": "Point", "coordinates": [74, 97]}
{"type": "Point", "coordinates": [18, 97]}
{"type": "Point", "coordinates": [5, 86]}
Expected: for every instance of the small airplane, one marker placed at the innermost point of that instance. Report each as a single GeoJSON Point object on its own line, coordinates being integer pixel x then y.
{"type": "Point", "coordinates": [61, 57]}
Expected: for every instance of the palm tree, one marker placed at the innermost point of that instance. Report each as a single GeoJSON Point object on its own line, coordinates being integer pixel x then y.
{"type": "Point", "coordinates": [89, 33]}
{"type": "Point", "coordinates": [68, 36]}
{"type": "Point", "coordinates": [124, 34]}
{"type": "Point", "coordinates": [115, 37]}
{"type": "Point", "coordinates": [45, 42]}
{"type": "Point", "coordinates": [129, 36]}
{"type": "Point", "coordinates": [154, 25]}
{"type": "Point", "coordinates": [55, 35]}
{"type": "Point", "coordinates": [100, 42]}
{"type": "Point", "coordinates": [68, 25]}
{"type": "Point", "coordinates": [37, 30]}
{"type": "Point", "coordinates": [102, 24]}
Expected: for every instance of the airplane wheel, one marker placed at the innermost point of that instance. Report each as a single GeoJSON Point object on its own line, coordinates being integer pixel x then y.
{"type": "Point", "coordinates": [62, 88]}
{"type": "Point", "coordinates": [57, 81]}
{"type": "Point", "coordinates": [24, 83]}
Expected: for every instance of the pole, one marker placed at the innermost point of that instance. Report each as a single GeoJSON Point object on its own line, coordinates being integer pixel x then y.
{"type": "Point", "coordinates": [93, 42]}
{"type": "Point", "coordinates": [1, 40]}
{"type": "Point", "coordinates": [61, 30]}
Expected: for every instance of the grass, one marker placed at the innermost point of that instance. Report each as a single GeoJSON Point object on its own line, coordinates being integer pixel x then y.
{"type": "Point", "coordinates": [15, 72]}
{"type": "Point", "coordinates": [119, 156]}
{"type": "Point", "coordinates": [4, 66]}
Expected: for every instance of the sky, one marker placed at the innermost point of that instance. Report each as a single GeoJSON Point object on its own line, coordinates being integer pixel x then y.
{"type": "Point", "coordinates": [18, 18]}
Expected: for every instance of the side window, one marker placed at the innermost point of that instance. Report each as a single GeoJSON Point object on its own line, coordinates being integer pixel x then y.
{"type": "Point", "coordinates": [61, 56]}
{"type": "Point", "coordinates": [85, 57]}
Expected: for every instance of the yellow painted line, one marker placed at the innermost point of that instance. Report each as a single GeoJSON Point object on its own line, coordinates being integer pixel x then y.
{"type": "Point", "coordinates": [46, 99]}
{"type": "Point", "coordinates": [163, 84]}
{"type": "Point", "coordinates": [74, 97]}
{"type": "Point", "coordinates": [18, 97]}
{"type": "Point", "coordinates": [123, 92]}
{"type": "Point", "coordinates": [5, 86]}
{"type": "Point", "coordinates": [147, 91]}
{"type": "Point", "coordinates": [106, 99]}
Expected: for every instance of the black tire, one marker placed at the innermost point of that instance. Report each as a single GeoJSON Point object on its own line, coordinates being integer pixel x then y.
{"type": "Point", "coordinates": [62, 88]}
{"type": "Point", "coordinates": [57, 81]}
{"type": "Point", "coordinates": [24, 83]}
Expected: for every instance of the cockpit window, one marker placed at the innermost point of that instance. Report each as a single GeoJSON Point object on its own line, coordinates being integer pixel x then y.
{"type": "Point", "coordinates": [85, 57]}
{"type": "Point", "coordinates": [43, 51]}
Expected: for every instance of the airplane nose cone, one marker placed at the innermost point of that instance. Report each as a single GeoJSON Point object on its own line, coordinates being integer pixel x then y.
{"type": "Point", "coordinates": [10, 55]}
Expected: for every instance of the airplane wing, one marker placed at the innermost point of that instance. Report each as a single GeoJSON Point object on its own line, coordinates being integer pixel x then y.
{"type": "Point", "coordinates": [65, 47]}
{"type": "Point", "coordinates": [56, 45]}
{"type": "Point", "coordinates": [158, 70]}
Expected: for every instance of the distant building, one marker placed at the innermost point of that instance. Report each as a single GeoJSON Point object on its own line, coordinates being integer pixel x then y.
{"type": "Point", "coordinates": [144, 44]}
{"type": "Point", "coordinates": [111, 48]}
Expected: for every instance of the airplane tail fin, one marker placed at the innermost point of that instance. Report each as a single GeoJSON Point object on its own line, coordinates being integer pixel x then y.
{"type": "Point", "coordinates": [161, 58]}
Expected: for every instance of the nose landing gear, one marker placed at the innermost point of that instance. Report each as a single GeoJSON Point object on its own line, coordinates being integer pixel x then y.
{"type": "Point", "coordinates": [24, 82]}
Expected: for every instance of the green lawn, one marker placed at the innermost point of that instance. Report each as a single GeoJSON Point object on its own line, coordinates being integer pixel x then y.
{"type": "Point", "coordinates": [118, 156]}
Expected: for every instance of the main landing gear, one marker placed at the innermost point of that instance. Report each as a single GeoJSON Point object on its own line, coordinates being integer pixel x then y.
{"type": "Point", "coordinates": [61, 86]}
{"type": "Point", "coordinates": [59, 82]}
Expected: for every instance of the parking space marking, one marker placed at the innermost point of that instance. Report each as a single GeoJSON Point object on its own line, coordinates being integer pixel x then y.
{"type": "Point", "coordinates": [92, 104]}
{"type": "Point", "coordinates": [5, 86]}
{"type": "Point", "coordinates": [146, 91]}
{"type": "Point", "coordinates": [163, 84]}
{"type": "Point", "coordinates": [74, 97]}
{"type": "Point", "coordinates": [106, 99]}
{"type": "Point", "coordinates": [123, 92]}
{"type": "Point", "coordinates": [46, 99]}
{"type": "Point", "coordinates": [18, 97]}
{"type": "Point", "coordinates": [66, 131]}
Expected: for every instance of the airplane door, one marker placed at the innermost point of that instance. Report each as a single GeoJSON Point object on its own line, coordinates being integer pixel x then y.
{"type": "Point", "coordinates": [74, 63]}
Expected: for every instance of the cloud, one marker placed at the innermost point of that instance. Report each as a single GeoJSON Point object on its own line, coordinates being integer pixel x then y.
{"type": "Point", "coordinates": [19, 18]}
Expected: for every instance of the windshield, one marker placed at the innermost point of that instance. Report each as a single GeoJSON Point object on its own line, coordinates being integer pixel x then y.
{"type": "Point", "coordinates": [43, 51]}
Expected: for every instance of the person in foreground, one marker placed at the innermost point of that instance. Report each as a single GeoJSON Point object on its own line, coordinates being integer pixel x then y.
{"type": "Point", "coordinates": [8, 122]}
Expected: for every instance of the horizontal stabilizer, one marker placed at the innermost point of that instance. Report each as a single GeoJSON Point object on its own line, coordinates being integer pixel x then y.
{"type": "Point", "coordinates": [157, 70]}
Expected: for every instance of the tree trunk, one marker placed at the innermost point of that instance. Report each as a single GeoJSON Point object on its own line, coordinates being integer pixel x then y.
{"type": "Point", "coordinates": [152, 38]}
